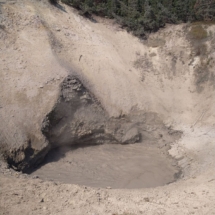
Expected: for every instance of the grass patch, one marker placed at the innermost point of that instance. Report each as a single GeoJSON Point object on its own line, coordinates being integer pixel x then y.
{"type": "Point", "coordinates": [197, 32]}
{"type": "Point", "coordinates": [156, 42]}
{"type": "Point", "coordinates": [209, 23]}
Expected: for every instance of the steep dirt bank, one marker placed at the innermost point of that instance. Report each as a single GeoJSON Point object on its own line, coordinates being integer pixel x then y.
{"type": "Point", "coordinates": [170, 75]}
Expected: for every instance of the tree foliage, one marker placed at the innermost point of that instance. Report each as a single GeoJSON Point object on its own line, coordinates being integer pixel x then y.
{"type": "Point", "coordinates": [54, 2]}
{"type": "Point", "coordinates": [140, 16]}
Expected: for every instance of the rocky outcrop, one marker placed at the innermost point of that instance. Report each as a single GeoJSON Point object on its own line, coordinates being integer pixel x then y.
{"type": "Point", "coordinates": [78, 118]}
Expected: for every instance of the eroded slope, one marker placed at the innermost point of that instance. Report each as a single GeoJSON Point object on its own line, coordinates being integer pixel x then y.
{"type": "Point", "coordinates": [171, 74]}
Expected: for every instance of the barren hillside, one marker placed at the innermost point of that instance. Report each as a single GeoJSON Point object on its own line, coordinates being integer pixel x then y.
{"type": "Point", "coordinates": [56, 65]}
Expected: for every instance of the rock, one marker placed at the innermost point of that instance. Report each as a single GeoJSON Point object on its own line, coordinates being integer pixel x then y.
{"type": "Point", "coordinates": [75, 119]}
{"type": "Point", "coordinates": [131, 136]}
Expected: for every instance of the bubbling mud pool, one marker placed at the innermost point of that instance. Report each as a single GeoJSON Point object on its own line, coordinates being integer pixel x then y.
{"type": "Point", "coordinates": [117, 166]}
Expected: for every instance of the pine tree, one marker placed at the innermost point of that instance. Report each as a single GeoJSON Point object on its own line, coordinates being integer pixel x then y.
{"type": "Point", "coordinates": [140, 16]}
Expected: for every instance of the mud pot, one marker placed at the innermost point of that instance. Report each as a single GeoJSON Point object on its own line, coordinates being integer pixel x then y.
{"type": "Point", "coordinates": [86, 146]}
{"type": "Point", "coordinates": [130, 151]}
{"type": "Point", "coordinates": [117, 166]}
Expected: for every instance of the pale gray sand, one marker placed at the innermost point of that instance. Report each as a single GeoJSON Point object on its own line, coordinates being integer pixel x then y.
{"type": "Point", "coordinates": [110, 165]}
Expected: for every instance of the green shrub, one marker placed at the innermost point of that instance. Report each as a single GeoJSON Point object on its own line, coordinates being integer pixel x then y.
{"type": "Point", "coordinates": [198, 32]}
{"type": "Point", "coordinates": [141, 16]}
{"type": "Point", "coordinates": [53, 1]}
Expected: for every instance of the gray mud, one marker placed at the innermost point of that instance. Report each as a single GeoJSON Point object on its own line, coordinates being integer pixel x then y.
{"type": "Point", "coordinates": [130, 151]}
{"type": "Point", "coordinates": [110, 165]}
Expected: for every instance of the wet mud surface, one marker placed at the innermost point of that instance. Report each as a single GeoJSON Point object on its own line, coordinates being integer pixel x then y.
{"type": "Point", "coordinates": [117, 166]}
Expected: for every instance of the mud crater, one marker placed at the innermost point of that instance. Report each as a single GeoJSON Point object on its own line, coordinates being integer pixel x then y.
{"type": "Point", "coordinates": [131, 166]}
{"type": "Point", "coordinates": [88, 147]}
